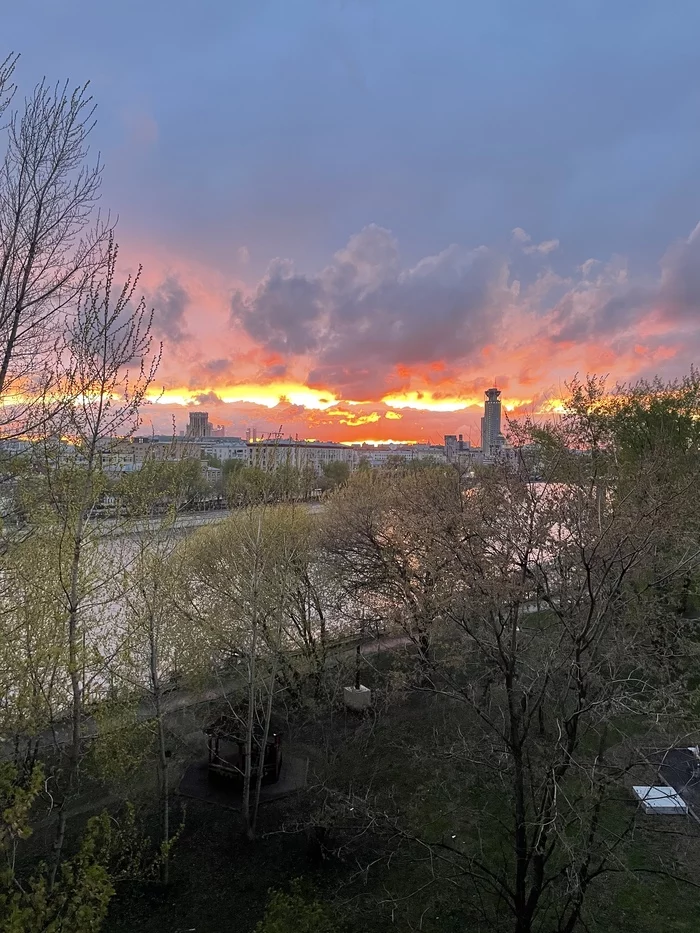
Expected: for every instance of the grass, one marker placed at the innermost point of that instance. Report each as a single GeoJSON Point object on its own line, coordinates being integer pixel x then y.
{"type": "Point", "coordinates": [641, 902]}
{"type": "Point", "coordinates": [218, 882]}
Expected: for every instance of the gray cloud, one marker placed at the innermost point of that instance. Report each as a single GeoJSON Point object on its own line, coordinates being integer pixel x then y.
{"type": "Point", "coordinates": [365, 313]}
{"type": "Point", "coordinates": [208, 398]}
{"type": "Point", "coordinates": [284, 312]}
{"type": "Point", "coordinates": [606, 302]}
{"type": "Point", "coordinates": [580, 315]}
{"type": "Point", "coordinates": [170, 302]}
{"type": "Point", "coordinates": [216, 367]}
{"type": "Point", "coordinates": [680, 279]}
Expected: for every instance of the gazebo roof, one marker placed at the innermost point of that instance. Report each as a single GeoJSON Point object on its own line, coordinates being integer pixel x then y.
{"type": "Point", "coordinates": [228, 726]}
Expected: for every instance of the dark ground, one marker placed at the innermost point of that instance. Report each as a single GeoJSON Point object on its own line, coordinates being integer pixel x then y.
{"type": "Point", "coordinates": [678, 767]}
{"type": "Point", "coordinates": [218, 882]}
{"type": "Point", "coordinates": [197, 785]}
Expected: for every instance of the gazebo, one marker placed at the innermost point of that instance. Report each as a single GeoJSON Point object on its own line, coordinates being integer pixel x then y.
{"type": "Point", "coordinates": [227, 751]}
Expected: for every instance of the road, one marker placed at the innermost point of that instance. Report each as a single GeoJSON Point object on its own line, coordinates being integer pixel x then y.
{"type": "Point", "coordinates": [184, 523]}
{"type": "Point", "coordinates": [181, 699]}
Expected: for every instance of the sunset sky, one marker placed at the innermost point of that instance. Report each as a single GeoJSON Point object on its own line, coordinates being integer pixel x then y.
{"type": "Point", "coordinates": [355, 215]}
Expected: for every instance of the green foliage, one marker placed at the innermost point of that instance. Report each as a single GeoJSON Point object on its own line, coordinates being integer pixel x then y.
{"type": "Point", "coordinates": [162, 484]}
{"type": "Point", "coordinates": [124, 740]}
{"type": "Point", "coordinates": [336, 473]}
{"type": "Point", "coordinates": [77, 902]}
{"type": "Point", "coordinates": [131, 855]}
{"type": "Point", "coordinates": [254, 485]}
{"type": "Point", "coordinates": [17, 795]}
{"type": "Point", "coordinates": [230, 467]}
{"type": "Point", "coordinates": [295, 912]}
{"type": "Point", "coordinates": [33, 658]}
{"type": "Point", "coordinates": [628, 424]}
{"type": "Point", "coordinates": [111, 850]}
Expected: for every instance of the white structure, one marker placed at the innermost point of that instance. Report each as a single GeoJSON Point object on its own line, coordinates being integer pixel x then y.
{"type": "Point", "coordinates": [357, 699]}
{"type": "Point", "coordinates": [225, 448]}
{"type": "Point", "coordinates": [660, 799]}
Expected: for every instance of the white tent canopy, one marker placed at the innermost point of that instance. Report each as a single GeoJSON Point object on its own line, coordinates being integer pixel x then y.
{"type": "Point", "coordinates": [660, 799]}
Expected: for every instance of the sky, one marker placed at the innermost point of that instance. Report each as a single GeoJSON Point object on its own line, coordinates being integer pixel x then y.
{"type": "Point", "coordinates": [354, 216]}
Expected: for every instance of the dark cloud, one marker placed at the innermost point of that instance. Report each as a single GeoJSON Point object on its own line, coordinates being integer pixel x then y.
{"type": "Point", "coordinates": [365, 313]}
{"type": "Point", "coordinates": [208, 398]}
{"type": "Point", "coordinates": [284, 312]}
{"type": "Point", "coordinates": [356, 381]}
{"type": "Point", "coordinates": [216, 367]}
{"type": "Point", "coordinates": [170, 302]}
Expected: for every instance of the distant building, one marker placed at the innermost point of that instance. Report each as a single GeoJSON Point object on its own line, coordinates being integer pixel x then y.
{"type": "Point", "coordinates": [225, 448]}
{"type": "Point", "coordinates": [269, 455]}
{"type": "Point", "coordinates": [493, 443]}
{"type": "Point", "coordinates": [454, 446]}
{"type": "Point", "coordinates": [199, 424]}
{"type": "Point", "coordinates": [129, 454]}
{"type": "Point", "coordinates": [210, 474]}
{"type": "Point", "coordinates": [491, 438]}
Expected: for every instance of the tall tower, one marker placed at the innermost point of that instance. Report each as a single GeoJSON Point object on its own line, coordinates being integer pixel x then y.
{"type": "Point", "coordinates": [199, 424]}
{"type": "Point", "coordinates": [491, 422]}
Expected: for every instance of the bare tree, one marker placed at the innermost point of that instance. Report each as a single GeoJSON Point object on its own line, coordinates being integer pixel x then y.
{"type": "Point", "coordinates": [383, 535]}
{"type": "Point", "coordinates": [7, 88]}
{"type": "Point", "coordinates": [551, 628]}
{"type": "Point", "coordinates": [153, 649]}
{"type": "Point", "coordinates": [51, 240]}
{"type": "Point", "coordinates": [240, 587]}
{"type": "Point", "coordinates": [112, 364]}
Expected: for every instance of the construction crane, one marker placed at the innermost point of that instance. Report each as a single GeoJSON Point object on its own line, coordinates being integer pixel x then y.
{"type": "Point", "coordinates": [273, 435]}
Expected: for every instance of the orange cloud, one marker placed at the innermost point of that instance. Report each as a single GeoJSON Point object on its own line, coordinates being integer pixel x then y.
{"type": "Point", "coordinates": [351, 418]}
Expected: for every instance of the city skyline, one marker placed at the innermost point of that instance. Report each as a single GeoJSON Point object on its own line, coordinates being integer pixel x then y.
{"type": "Point", "coordinates": [491, 438]}
{"type": "Point", "coordinates": [353, 216]}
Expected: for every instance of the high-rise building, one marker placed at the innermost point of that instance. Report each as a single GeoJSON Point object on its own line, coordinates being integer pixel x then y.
{"type": "Point", "coordinates": [199, 424]}
{"type": "Point", "coordinates": [491, 423]}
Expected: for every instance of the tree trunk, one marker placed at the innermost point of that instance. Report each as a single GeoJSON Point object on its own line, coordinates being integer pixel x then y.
{"type": "Point", "coordinates": [74, 670]}
{"type": "Point", "coordinates": [266, 733]}
{"type": "Point", "coordinates": [248, 827]}
{"type": "Point", "coordinates": [162, 755]}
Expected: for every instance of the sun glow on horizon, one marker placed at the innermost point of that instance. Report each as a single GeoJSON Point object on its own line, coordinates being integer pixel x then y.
{"type": "Point", "coordinates": [380, 443]}
{"type": "Point", "coordinates": [553, 406]}
{"type": "Point", "coordinates": [426, 401]}
{"type": "Point", "coordinates": [268, 396]}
